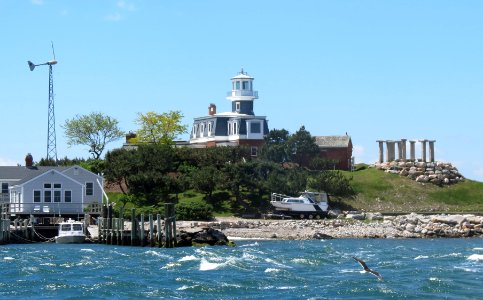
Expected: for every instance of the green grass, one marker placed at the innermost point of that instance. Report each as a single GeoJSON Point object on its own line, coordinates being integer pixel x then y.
{"type": "Point", "coordinates": [380, 191]}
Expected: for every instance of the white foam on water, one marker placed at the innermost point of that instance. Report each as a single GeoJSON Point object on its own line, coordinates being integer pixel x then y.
{"type": "Point", "coordinates": [207, 266]}
{"type": "Point", "coordinates": [157, 254]}
{"type": "Point", "coordinates": [8, 258]}
{"type": "Point", "coordinates": [188, 258]}
{"type": "Point", "coordinates": [272, 270]}
{"type": "Point", "coordinates": [184, 287]}
{"type": "Point", "coordinates": [171, 265]}
{"type": "Point", "coordinates": [87, 250]}
{"type": "Point", "coordinates": [476, 257]}
{"type": "Point", "coordinates": [250, 245]}
{"type": "Point", "coordinates": [478, 249]}
{"type": "Point", "coordinates": [421, 257]}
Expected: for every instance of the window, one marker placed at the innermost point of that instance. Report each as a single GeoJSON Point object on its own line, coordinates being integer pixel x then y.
{"type": "Point", "coordinates": [235, 127]}
{"type": "Point", "coordinates": [209, 128]}
{"type": "Point", "coordinates": [4, 188]}
{"type": "Point", "coordinates": [237, 85]}
{"type": "Point", "coordinates": [57, 196]}
{"type": "Point", "coordinates": [66, 227]}
{"type": "Point", "coordinates": [202, 129]}
{"type": "Point", "coordinates": [245, 85]}
{"type": "Point", "coordinates": [254, 151]}
{"type": "Point", "coordinates": [67, 196]}
{"type": "Point", "coordinates": [89, 188]}
{"type": "Point", "coordinates": [47, 196]}
{"type": "Point", "coordinates": [77, 227]}
{"type": "Point", "coordinates": [37, 196]}
{"type": "Point", "coordinates": [255, 127]}
{"type": "Point", "coordinates": [57, 185]}
{"type": "Point", "coordinates": [47, 185]}
{"type": "Point", "coordinates": [237, 105]}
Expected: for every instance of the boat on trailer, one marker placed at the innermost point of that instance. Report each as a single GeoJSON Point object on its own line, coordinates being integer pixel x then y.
{"type": "Point", "coordinates": [71, 232]}
{"type": "Point", "coordinates": [307, 205]}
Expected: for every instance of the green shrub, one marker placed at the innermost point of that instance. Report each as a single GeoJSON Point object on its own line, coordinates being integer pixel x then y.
{"type": "Point", "coordinates": [194, 210]}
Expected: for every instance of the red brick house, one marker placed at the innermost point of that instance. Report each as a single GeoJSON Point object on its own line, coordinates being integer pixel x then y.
{"type": "Point", "coordinates": [337, 149]}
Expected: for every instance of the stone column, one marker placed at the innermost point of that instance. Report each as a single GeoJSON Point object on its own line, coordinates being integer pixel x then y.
{"type": "Point", "coordinates": [423, 150]}
{"type": "Point", "coordinates": [381, 151]}
{"type": "Point", "coordinates": [431, 151]}
{"type": "Point", "coordinates": [390, 150]}
{"type": "Point", "coordinates": [399, 150]}
{"type": "Point", "coordinates": [403, 143]}
{"type": "Point", "coordinates": [412, 150]}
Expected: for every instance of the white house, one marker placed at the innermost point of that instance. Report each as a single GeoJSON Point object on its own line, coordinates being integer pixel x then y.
{"type": "Point", "coordinates": [47, 191]}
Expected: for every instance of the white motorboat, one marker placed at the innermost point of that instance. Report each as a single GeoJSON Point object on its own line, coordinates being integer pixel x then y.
{"type": "Point", "coordinates": [71, 232]}
{"type": "Point", "coordinates": [307, 205]}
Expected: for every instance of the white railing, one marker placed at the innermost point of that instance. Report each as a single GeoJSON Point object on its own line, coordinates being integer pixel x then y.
{"type": "Point", "coordinates": [240, 93]}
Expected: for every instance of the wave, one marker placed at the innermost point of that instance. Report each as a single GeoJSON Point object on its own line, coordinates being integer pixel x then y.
{"type": "Point", "coordinates": [478, 249]}
{"type": "Point", "coordinates": [87, 250]}
{"type": "Point", "coordinates": [475, 257]}
{"type": "Point", "coordinates": [421, 257]}
{"type": "Point", "coordinates": [8, 258]}
{"type": "Point", "coordinates": [272, 270]}
{"type": "Point", "coordinates": [188, 258]}
{"type": "Point", "coordinates": [207, 266]}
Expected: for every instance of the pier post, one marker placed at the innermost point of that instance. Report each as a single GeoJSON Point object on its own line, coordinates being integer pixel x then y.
{"type": "Point", "coordinates": [121, 225]}
{"type": "Point", "coordinates": [159, 232]}
{"type": "Point", "coordinates": [151, 230]}
{"type": "Point", "coordinates": [142, 230]}
{"type": "Point", "coordinates": [133, 226]}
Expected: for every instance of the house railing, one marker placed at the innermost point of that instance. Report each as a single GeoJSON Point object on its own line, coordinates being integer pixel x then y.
{"type": "Point", "coordinates": [54, 208]}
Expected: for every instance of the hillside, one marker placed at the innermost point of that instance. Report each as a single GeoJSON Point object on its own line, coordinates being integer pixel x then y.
{"type": "Point", "coordinates": [384, 192]}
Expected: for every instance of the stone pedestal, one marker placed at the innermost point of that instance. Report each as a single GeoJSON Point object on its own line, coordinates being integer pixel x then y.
{"type": "Point", "coordinates": [390, 151]}
{"type": "Point", "coordinates": [381, 151]}
{"type": "Point", "coordinates": [403, 148]}
{"type": "Point", "coordinates": [423, 150]}
{"type": "Point", "coordinates": [431, 151]}
{"type": "Point", "coordinates": [412, 150]}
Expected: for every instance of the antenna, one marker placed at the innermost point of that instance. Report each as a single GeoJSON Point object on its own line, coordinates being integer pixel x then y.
{"type": "Point", "coordinates": [51, 137]}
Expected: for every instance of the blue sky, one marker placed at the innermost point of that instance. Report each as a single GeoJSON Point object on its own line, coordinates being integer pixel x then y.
{"type": "Point", "coordinates": [373, 69]}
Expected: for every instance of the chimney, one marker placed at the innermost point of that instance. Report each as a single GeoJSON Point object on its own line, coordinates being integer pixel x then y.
{"type": "Point", "coordinates": [29, 161]}
{"type": "Point", "coordinates": [212, 109]}
{"type": "Point", "coordinates": [129, 136]}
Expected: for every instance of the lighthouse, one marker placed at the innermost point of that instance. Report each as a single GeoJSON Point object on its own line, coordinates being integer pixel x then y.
{"type": "Point", "coordinates": [240, 126]}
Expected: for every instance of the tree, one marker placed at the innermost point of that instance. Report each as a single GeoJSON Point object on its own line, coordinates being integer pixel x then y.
{"type": "Point", "coordinates": [94, 130]}
{"type": "Point", "coordinates": [159, 128]}
{"type": "Point", "coordinates": [275, 148]}
{"type": "Point", "coordinates": [332, 182]}
{"type": "Point", "coordinates": [302, 147]}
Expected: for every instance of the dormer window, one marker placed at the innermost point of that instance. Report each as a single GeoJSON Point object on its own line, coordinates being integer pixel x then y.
{"type": "Point", "coordinates": [202, 130]}
{"type": "Point", "coordinates": [237, 105]}
{"type": "Point", "coordinates": [209, 128]}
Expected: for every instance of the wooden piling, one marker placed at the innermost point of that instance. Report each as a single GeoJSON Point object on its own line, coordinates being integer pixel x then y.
{"type": "Point", "coordinates": [133, 226]}
{"type": "Point", "coordinates": [159, 232]}
{"type": "Point", "coordinates": [142, 231]}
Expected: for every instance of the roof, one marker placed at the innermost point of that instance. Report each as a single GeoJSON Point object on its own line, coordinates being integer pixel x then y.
{"type": "Point", "coordinates": [23, 174]}
{"type": "Point", "coordinates": [333, 141]}
{"type": "Point", "coordinates": [242, 75]}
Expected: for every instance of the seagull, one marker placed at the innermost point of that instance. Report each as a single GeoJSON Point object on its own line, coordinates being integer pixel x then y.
{"type": "Point", "coordinates": [366, 268]}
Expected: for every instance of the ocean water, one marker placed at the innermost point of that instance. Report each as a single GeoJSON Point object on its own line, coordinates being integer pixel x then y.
{"type": "Point", "coordinates": [412, 269]}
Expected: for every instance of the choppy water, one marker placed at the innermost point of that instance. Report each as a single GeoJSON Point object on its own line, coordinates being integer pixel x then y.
{"type": "Point", "coordinates": [412, 269]}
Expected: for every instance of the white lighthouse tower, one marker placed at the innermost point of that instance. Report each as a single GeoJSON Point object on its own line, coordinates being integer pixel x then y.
{"type": "Point", "coordinates": [242, 94]}
{"type": "Point", "coordinates": [239, 127]}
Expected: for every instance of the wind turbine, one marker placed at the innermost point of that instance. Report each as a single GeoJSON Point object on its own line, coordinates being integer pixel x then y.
{"type": "Point", "coordinates": [51, 138]}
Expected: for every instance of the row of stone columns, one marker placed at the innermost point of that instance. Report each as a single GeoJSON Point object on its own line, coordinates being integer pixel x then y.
{"type": "Point", "coordinates": [401, 150]}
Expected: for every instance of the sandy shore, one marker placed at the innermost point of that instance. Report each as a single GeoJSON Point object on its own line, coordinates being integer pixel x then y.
{"type": "Point", "coordinates": [350, 226]}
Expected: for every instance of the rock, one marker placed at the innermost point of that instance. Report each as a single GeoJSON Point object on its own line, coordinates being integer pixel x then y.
{"type": "Point", "coordinates": [321, 236]}
{"type": "Point", "coordinates": [360, 216]}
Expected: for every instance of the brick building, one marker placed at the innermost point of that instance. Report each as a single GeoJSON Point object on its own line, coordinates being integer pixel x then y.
{"type": "Point", "coordinates": [337, 149]}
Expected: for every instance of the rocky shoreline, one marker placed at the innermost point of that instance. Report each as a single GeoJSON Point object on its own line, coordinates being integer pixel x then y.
{"type": "Point", "coordinates": [347, 225]}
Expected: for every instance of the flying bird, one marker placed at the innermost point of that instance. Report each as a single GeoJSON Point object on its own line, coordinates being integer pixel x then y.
{"type": "Point", "coordinates": [366, 268]}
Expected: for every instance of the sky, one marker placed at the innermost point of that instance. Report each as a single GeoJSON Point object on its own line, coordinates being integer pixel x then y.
{"type": "Point", "coordinates": [376, 70]}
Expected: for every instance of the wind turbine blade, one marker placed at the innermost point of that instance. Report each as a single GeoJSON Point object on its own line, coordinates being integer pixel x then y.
{"type": "Point", "coordinates": [31, 65]}
{"type": "Point", "coordinates": [53, 52]}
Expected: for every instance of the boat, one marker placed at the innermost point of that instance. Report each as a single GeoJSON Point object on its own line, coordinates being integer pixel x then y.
{"type": "Point", "coordinates": [307, 205]}
{"type": "Point", "coordinates": [71, 232]}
